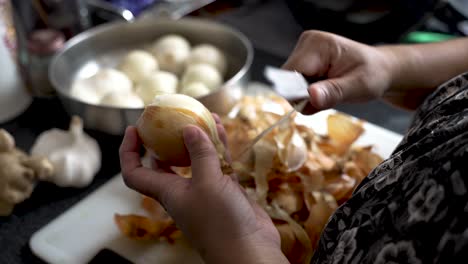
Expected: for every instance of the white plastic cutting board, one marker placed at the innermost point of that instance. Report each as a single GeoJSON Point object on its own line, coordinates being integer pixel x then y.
{"type": "Point", "coordinates": [80, 233]}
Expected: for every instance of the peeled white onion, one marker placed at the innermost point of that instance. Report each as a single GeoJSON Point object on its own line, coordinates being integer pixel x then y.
{"type": "Point", "coordinates": [92, 89]}
{"type": "Point", "coordinates": [82, 91]}
{"type": "Point", "coordinates": [209, 54]}
{"type": "Point", "coordinates": [195, 90]}
{"type": "Point", "coordinates": [107, 80]}
{"type": "Point", "coordinates": [204, 73]}
{"type": "Point", "coordinates": [171, 51]}
{"type": "Point", "coordinates": [156, 84]}
{"type": "Point", "coordinates": [161, 125]}
{"type": "Point", "coordinates": [125, 100]}
{"type": "Point", "coordinates": [138, 64]}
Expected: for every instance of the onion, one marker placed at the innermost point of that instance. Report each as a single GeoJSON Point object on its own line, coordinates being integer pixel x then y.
{"type": "Point", "coordinates": [161, 125]}
{"type": "Point", "coordinates": [156, 84]}
{"type": "Point", "coordinates": [92, 89]}
{"type": "Point", "coordinates": [207, 53]}
{"type": "Point", "coordinates": [171, 51]}
{"type": "Point", "coordinates": [195, 90]}
{"type": "Point", "coordinates": [125, 99]}
{"type": "Point", "coordinates": [138, 64]}
{"type": "Point", "coordinates": [204, 73]}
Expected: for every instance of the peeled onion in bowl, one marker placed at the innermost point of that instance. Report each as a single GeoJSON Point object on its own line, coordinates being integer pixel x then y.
{"type": "Point", "coordinates": [195, 90]}
{"type": "Point", "coordinates": [108, 79]}
{"type": "Point", "coordinates": [161, 125]}
{"type": "Point", "coordinates": [171, 52]}
{"type": "Point", "coordinates": [138, 64]}
{"type": "Point", "coordinates": [207, 53]}
{"type": "Point", "coordinates": [92, 89]}
{"type": "Point", "coordinates": [155, 84]}
{"type": "Point", "coordinates": [204, 73]}
{"type": "Point", "coordinates": [122, 99]}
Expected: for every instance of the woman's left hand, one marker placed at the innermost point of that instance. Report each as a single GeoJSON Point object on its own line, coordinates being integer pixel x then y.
{"type": "Point", "coordinates": [211, 209]}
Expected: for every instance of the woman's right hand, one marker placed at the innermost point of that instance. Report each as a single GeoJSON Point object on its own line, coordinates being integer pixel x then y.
{"type": "Point", "coordinates": [351, 71]}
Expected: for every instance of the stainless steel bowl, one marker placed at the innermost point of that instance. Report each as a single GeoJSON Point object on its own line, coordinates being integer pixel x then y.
{"type": "Point", "coordinates": [104, 45]}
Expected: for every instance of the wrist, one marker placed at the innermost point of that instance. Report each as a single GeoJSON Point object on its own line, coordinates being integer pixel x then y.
{"type": "Point", "coordinates": [249, 250]}
{"type": "Point", "coordinates": [400, 61]}
{"type": "Point", "coordinates": [407, 86]}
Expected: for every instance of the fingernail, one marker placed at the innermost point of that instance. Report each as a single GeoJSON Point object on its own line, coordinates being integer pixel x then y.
{"type": "Point", "coordinates": [191, 135]}
{"type": "Point", "coordinates": [317, 94]}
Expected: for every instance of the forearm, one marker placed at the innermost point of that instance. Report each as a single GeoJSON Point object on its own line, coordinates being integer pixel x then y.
{"type": "Point", "coordinates": [418, 69]}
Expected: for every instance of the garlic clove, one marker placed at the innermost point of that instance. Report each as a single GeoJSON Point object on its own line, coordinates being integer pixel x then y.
{"type": "Point", "coordinates": [161, 127]}
{"type": "Point", "coordinates": [204, 73]}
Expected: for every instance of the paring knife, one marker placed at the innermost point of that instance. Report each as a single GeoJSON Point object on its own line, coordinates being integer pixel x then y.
{"type": "Point", "coordinates": [277, 77]}
{"type": "Point", "coordinates": [297, 108]}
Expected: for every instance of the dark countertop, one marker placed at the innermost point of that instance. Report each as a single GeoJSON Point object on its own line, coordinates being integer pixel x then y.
{"type": "Point", "coordinates": [273, 33]}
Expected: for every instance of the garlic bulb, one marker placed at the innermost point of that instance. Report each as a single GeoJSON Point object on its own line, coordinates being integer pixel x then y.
{"type": "Point", "coordinates": [209, 54]}
{"type": "Point", "coordinates": [195, 90]}
{"type": "Point", "coordinates": [156, 84]}
{"type": "Point", "coordinates": [204, 73]}
{"type": "Point", "coordinates": [138, 64]}
{"type": "Point", "coordinates": [171, 51]}
{"type": "Point", "coordinates": [126, 100]}
{"type": "Point", "coordinates": [161, 125]}
{"type": "Point", "coordinates": [92, 89]}
{"type": "Point", "coordinates": [76, 156]}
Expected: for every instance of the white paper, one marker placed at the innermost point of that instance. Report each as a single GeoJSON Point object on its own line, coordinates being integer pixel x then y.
{"type": "Point", "coordinates": [288, 84]}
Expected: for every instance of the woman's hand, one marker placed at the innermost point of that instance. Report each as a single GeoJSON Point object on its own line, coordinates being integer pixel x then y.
{"type": "Point", "coordinates": [211, 209]}
{"type": "Point", "coordinates": [351, 71]}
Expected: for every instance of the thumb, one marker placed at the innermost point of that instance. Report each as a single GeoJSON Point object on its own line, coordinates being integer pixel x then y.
{"type": "Point", "coordinates": [328, 93]}
{"type": "Point", "coordinates": [203, 156]}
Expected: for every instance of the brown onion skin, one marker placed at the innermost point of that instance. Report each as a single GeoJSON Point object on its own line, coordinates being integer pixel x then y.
{"type": "Point", "coordinates": [161, 130]}
{"type": "Point", "coordinates": [162, 135]}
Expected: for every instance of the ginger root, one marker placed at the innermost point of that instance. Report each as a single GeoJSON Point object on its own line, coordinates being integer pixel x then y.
{"type": "Point", "coordinates": [18, 173]}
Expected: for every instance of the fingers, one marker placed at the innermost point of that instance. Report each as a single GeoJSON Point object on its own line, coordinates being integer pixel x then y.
{"type": "Point", "coordinates": [159, 166]}
{"type": "Point", "coordinates": [222, 136]}
{"type": "Point", "coordinates": [328, 93]}
{"type": "Point", "coordinates": [144, 180]}
{"type": "Point", "coordinates": [216, 118]}
{"type": "Point", "coordinates": [129, 150]}
{"type": "Point", "coordinates": [203, 156]}
{"type": "Point", "coordinates": [311, 56]}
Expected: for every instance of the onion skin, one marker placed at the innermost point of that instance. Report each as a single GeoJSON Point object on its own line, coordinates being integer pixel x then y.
{"type": "Point", "coordinates": [161, 130]}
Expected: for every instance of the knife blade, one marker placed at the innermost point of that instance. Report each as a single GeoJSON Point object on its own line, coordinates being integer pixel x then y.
{"type": "Point", "coordinates": [277, 76]}
{"type": "Point", "coordinates": [296, 108]}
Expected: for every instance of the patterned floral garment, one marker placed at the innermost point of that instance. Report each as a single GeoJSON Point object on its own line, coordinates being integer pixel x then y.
{"type": "Point", "coordinates": [413, 208]}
